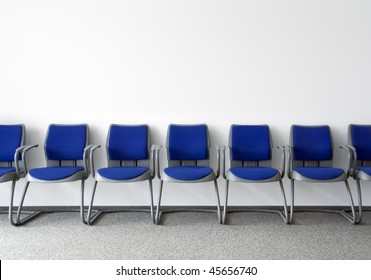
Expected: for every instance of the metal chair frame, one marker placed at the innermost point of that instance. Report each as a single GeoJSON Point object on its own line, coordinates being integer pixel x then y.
{"type": "Point", "coordinates": [294, 176]}
{"type": "Point", "coordinates": [81, 175]}
{"type": "Point", "coordinates": [229, 177]}
{"type": "Point", "coordinates": [14, 176]}
{"type": "Point", "coordinates": [165, 178]}
{"type": "Point", "coordinates": [357, 175]}
{"type": "Point", "coordinates": [148, 175]}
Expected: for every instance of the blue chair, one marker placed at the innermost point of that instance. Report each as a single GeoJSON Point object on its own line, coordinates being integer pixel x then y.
{"type": "Point", "coordinates": [130, 159]}
{"type": "Point", "coordinates": [12, 159]}
{"type": "Point", "coordinates": [359, 138]}
{"type": "Point", "coordinates": [66, 153]}
{"type": "Point", "coordinates": [188, 161]}
{"type": "Point", "coordinates": [250, 149]}
{"type": "Point", "coordinates": [310, 160]}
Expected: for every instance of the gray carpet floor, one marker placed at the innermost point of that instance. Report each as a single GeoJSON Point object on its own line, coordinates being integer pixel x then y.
{"type": "Point", "coordinates": [187, 236]}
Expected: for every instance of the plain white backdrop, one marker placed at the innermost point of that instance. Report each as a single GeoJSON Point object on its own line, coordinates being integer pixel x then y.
{"type": "Point", "coordinates": [161, 62]}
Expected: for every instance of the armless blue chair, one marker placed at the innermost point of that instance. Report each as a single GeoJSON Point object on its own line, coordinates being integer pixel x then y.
{"type": "Point", "coordinates": [130, 159]}
{"type": "Point", "coordinates": [310, 160]}
{"type": "Point", "coordinates": [66, 153]}
{"type": "Point", "coordinates": [359, 138]}
{"type": "Point", "coordinates": [250, 149]}
{"type": "Point", "coordinates": [12, 159]}
{"type": "Point", "coordinates": [188, 161]}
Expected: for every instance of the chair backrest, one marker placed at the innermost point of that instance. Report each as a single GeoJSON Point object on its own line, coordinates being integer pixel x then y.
{"type": "Point", "coordinates": [11, 138]}
{"type": "Point", "coordinates": [312, 145]}
{"type": "Point", "coordinates": [66, 142]}
{"type": "Point", "coordinates": [188, 144]}
{"type": "Point", "coordinates": [250, 145]}
{"type": "Point", "coordinates": [128, 145]}
{"type": "Point", "coordinates": [359, 136]}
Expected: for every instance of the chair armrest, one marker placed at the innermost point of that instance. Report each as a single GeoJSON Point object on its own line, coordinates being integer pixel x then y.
{"type": "Point", "coordinates": [89, 159]}
{"type": "Point", "coordinates": [220, 157]}
{"type": "Point", "coordinates": [283, 159]}
{"type": "Point", "coordinates": [354, 159]}
{"type": "Point", "coordinates": [23, 150]}
{"type": "Point", "coordinates": [350, 162]}
{"type": "Point", "coordinates": [152, 160]}
{"type": "Point", "coordinates": [288, 150]}
{"type": "Point", "coordinates": [156, 159]}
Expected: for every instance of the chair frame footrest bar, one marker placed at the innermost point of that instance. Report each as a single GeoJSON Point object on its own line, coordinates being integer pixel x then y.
{"type": "Point", "coordinates": [343, 213]}
{"type": "Point", "coordinates": [177, 210]}
{"type": "Point", "coordinates": [279, 212]}
{"type": "Point", "coordinates": [98, 213]}
{"type": "Point", "coordinates": [28, 218]}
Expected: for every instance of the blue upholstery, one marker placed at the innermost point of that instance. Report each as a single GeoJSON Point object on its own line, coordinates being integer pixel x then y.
{"type": "Point", "coordinates": [250, 142]}
{"type": "Point", "coordinates": [54, 172]}
{"type": "Point", "coordinates": [365, 169]}
{"type": "Point", "coordinates": [319, 173]}
{"type": "Point", "coordinates": [122, 173]}
{"type": "Point", "coordinates": [66, 142]}
{"type": "Point", "coordinates": [311, 142]}
{"type": "Point", "coordinates": [361, 140]}
{"type": "Point", "coordinates": [188, 173]}
{"type": "Point", "coordinates": [128, 142]}
{"type": "Point", "coordinates": [10, 140]}
{"type": "Point", "coordinates": [254, 173]}
{"type": "Point", "coordinates": [188, 142]}
{"type": "Point", "coordinates": [5, 170]}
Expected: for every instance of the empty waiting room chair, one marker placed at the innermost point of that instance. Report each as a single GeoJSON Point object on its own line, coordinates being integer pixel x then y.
{"type": "Point", "coordinates": [12, 159]}
{"type": "Point", "coordinates": [250, 149]}
{"type": "Point", "coordinates": [130, 159]}
{"type": "Point", "coordinates": [310, 160]}
{"type": "Point", "coordinates": [359, 138]}
{"type": "Point", "coordinates": [66, 153]}
{"type": "Point", "coordinates": [188, 154]}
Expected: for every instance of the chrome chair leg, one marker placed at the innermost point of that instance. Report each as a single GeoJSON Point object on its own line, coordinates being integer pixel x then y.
{"type": "Point", "coordinates": [89, 218]}
{"type": "Point", "coordinates": [30, 216]}
{"type": "Point", "coordinates": [351, 218]}
{"type": "Point", "coordinates": [82, 211]}
{"type": "Point", "coordinates": [226, 201]}
{"type": "Point", "coordinates": [284, 214]}
{"type": "Point", "coordinates": [158, 216]}
{"type": "Point", "coordinates": [218, 201]}
{"type": "Point", "coordinates": [11, 220]}
{"type": "Point", "coordinates": [359, 219]}
{"type": "Point", "coordinates": [151, 198]}
{"type": "Point", "coordinates": [292, 202]}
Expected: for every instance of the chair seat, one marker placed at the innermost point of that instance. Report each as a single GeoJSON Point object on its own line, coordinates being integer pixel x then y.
{"type": "Point", "coordinates": [53, 173]}
{"type": "Point", "coordinates": [253, 173]}
{"type": "Point", "coordinates": [320, 173]}
{"type": "Point", "coordinates": [188, 173]}
{"type": "Point", "coordinates": [5, 170]}
{"type": "Point", "coordinates": [365, 169]}
{"type": "Point", "coordinates": [122, 173]}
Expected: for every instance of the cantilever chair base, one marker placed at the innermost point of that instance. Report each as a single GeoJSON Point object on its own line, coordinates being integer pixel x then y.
{"type": "Point", "coordinates": [82, 209]}
{"type": "Point", "coordinates": [178, 210]}
{"type": "Point", "coordinates": [12, 211]}
{"type": "Point", "coordinates": [175, 210]}
{"type": "Point", "coordinates": [282, 213]}
{"type": "Point", "coordinates": [99, 213]}
{"type": "Point", "coordinates": [279, 212]}
{"type": "Point", "coordinates": [352, 218]}
{"type": "Point", "coordinates": [92, 218]}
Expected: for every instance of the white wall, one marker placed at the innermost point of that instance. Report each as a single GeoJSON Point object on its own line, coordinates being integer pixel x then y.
{"type": "Point", "coordinates": [161, 62]}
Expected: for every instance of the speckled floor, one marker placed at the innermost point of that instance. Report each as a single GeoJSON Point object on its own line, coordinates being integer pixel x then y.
{"type": "Point", "coordinates": [187, 236]}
